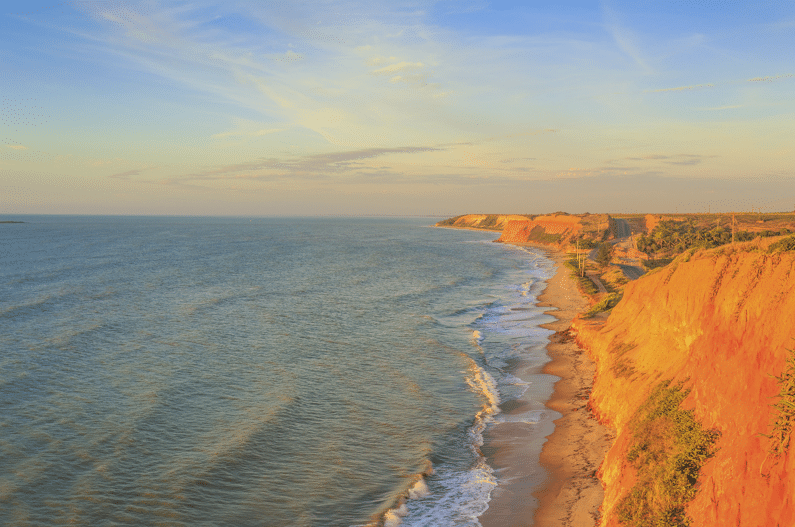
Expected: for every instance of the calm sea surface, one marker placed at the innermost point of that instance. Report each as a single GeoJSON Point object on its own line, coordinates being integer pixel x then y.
{"type": "Point", "coordinates": [268, 372]}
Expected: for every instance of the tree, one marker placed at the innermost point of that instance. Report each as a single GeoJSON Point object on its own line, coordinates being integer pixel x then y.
{"type": "Point", "coordinates": [604, 254]}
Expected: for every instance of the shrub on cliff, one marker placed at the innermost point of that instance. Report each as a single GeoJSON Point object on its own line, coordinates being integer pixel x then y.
{"type": "Point", "coordinates": [608, 302]}
{"type": "Point", "coordinates": [784, 409]}
{"type": "Point", "coordinates": [448, 221]}
{"type": "Point", "coordinates": [668, 449]}
{"type": "Point", "coordinates": [784, 244]}
{"type": "Point", "coordinates": [656, 262]}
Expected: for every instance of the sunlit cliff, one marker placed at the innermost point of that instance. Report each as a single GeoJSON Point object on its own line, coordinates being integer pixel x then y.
{"type": "Point", "coordinates": [721, 322]}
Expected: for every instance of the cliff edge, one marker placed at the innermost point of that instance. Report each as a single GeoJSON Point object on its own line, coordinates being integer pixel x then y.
{"type": "Point", "coordinates": [718, 324]}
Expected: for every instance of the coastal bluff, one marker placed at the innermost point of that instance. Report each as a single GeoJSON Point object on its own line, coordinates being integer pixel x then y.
{"type": "Point", "coordinates": [558, 229]}
{"type": "Point", "coordinates": [719, 324]}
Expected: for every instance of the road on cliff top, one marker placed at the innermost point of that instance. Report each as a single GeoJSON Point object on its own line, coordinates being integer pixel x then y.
{"type": "Point", "coordinates": [631, 267]}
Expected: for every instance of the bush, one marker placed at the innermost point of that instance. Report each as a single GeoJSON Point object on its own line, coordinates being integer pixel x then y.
{"type": "Point", "coordinates": [608, 302]}
{"type": "Point", "coordinates": [448, 221]}
{"type": "Point", "coordinates": [657, 262]}
{"type": "Point", "coordinates": [669, 447]}
{"type": "Point", "coordinates": [604, 254]}
{"type": "Point", "coordinates": [784, 409]}
{"type": "Point", "coordinates": [785, 244]}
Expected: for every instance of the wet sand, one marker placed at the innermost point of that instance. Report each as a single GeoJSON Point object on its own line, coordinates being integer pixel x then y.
{"type": "Point", "coordinates": [565, 492]}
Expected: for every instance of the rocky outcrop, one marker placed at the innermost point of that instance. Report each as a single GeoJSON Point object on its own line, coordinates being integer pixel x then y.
{"type": "Point", "coordinates": [723, 323]}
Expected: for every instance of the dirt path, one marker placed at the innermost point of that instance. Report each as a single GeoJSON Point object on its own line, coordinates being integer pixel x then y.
{"type": "Point", "coordinates": [595, 279]}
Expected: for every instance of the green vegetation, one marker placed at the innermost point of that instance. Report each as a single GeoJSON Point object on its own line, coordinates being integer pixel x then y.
{"type": "Point", "coordinates": [671, 237]}
{"type": "Point", "coordinates": [608, 302]}
{"type": "Point", "coordinates": [614, 279]}
{"type": "Point", "coordinates": [584, 283]}
{"type": "Point", "coordinates": [784, 244]}
{"type": "Point", "coordinates": [656, 262]}
{"type": "Point", "coordinates": [490, 222]}
{"type": "Point", "coordinates": [539, 235]}
{"type": "Point", "coordinates": [448, 221]}
{"type": "Point", "coordinates": [585, 243]}
{"type": "Point", "coordinates": [604, 254]}
{"type": "Point", "coordinates": [784, 409]}
{"type": "Point", "coordinates": [668, 450]}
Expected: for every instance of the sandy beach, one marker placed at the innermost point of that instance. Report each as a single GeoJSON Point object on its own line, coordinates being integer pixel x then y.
{"type": "Point", "coordinates": [565, 492]}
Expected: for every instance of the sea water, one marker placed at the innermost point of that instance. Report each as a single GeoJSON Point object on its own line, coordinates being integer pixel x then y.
{"type": "Point", "coordinates": [250, 371]}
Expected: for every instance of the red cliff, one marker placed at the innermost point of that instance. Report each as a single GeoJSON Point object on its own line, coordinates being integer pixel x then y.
{"type": "Point", "coordinates": [543, 229]}
{"type": "Point", "coordinates": [722, 322]}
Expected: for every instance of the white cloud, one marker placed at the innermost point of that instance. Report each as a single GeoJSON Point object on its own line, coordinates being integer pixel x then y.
{"type": "Point", "coordinates": [255, 133]}
{"type": "Point", "coordinates": [728, 107]}
{"type": "Point", "coordinates": [17, 147]}
{"type": "Point", "coordinates": [400, 66]}
{"type": "Point", "coordinates": [682, 88]}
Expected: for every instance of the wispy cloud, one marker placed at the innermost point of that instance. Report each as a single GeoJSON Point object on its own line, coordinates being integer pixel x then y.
{"type": "Point", "coordinates": [626, 39]}
{"type": "Point", "coordinates": [126, 175]}
{"type": "Point", "coordinates": [316, 166]}
{"type": "Point", "coordinates": [17, 147]}
{"type": "Point", "coordinates": [682, 88]}
{"type": "Point", "coordinates": [670, 159]}
{"type": "Point", "coordinates": [400, 66]}
{"type": "Point", "coordinates": [727, 107]}
{"type": "Point", "coordinates": [771, 78]}
{"type": "Point", "coordinates": [256, 133]}
{"type": "Point", "coordinates": [693, 87]}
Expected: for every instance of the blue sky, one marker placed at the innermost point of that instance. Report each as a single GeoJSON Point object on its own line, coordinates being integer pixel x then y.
{"type": "Point", "coordinates": [397, 107]}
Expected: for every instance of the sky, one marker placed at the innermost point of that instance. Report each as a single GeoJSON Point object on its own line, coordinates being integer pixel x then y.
{"type": "Point", "coordinates": [396, 107]}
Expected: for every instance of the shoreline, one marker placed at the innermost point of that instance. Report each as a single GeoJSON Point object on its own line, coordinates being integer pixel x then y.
{"type": "Point", "coordinates": [565, 492]}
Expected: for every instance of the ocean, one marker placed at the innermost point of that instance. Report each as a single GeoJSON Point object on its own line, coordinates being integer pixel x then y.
{"type": "Point", "coordinates": [258, 371]}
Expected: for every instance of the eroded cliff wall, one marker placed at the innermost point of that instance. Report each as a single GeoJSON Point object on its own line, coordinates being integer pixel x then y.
{"type": "Point", "coordinates": [722, 321]}
{"type": "Point", "coordinates": [494, 222]}
{"type": "Point", "coordinates": [541, 229]}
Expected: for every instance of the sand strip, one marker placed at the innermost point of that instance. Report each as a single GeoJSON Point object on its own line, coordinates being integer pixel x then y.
{"type": "Point", "coordinates": [565, 493]}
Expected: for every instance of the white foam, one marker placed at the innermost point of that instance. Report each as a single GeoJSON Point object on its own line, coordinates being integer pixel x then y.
{"type": "Point", "coordinates": [531, 418]}
{"type": "Point", "coordinates": [483, 383]}
{"type": "Point", "coordinates": [394, 517]}
{"type": "Point", "coordinates": [419, 490]}
{"type": "Point", "coordinates": [513, 380]}
{"type": "Point", "coordinates": [459, 499]}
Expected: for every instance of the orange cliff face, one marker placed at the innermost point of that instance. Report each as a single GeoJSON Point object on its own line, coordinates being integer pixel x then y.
{"type": "Point", "coordinates": [722, 322]}
{"type": "Point", "coordinates": [486, 221]}
{"type": "Point", "coordinates": [543, 229]}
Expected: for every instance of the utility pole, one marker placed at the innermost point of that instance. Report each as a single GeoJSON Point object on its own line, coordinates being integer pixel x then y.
{"type": "Point", "coordinates": [584, 261]}
{"type": "Point", "coordinates": [733, 220]}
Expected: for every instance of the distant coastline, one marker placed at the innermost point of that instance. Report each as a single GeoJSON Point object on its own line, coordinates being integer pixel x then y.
{"type": "Point", "coordinates": [10, 221]}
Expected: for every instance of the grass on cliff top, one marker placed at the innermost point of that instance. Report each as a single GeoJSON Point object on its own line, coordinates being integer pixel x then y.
{"type": "Point", "coordinates": [784, 244]}
{"type": "Point", "coordinates": [668, 449]}
{"type": "Point", "coordinates": [608, 302]}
